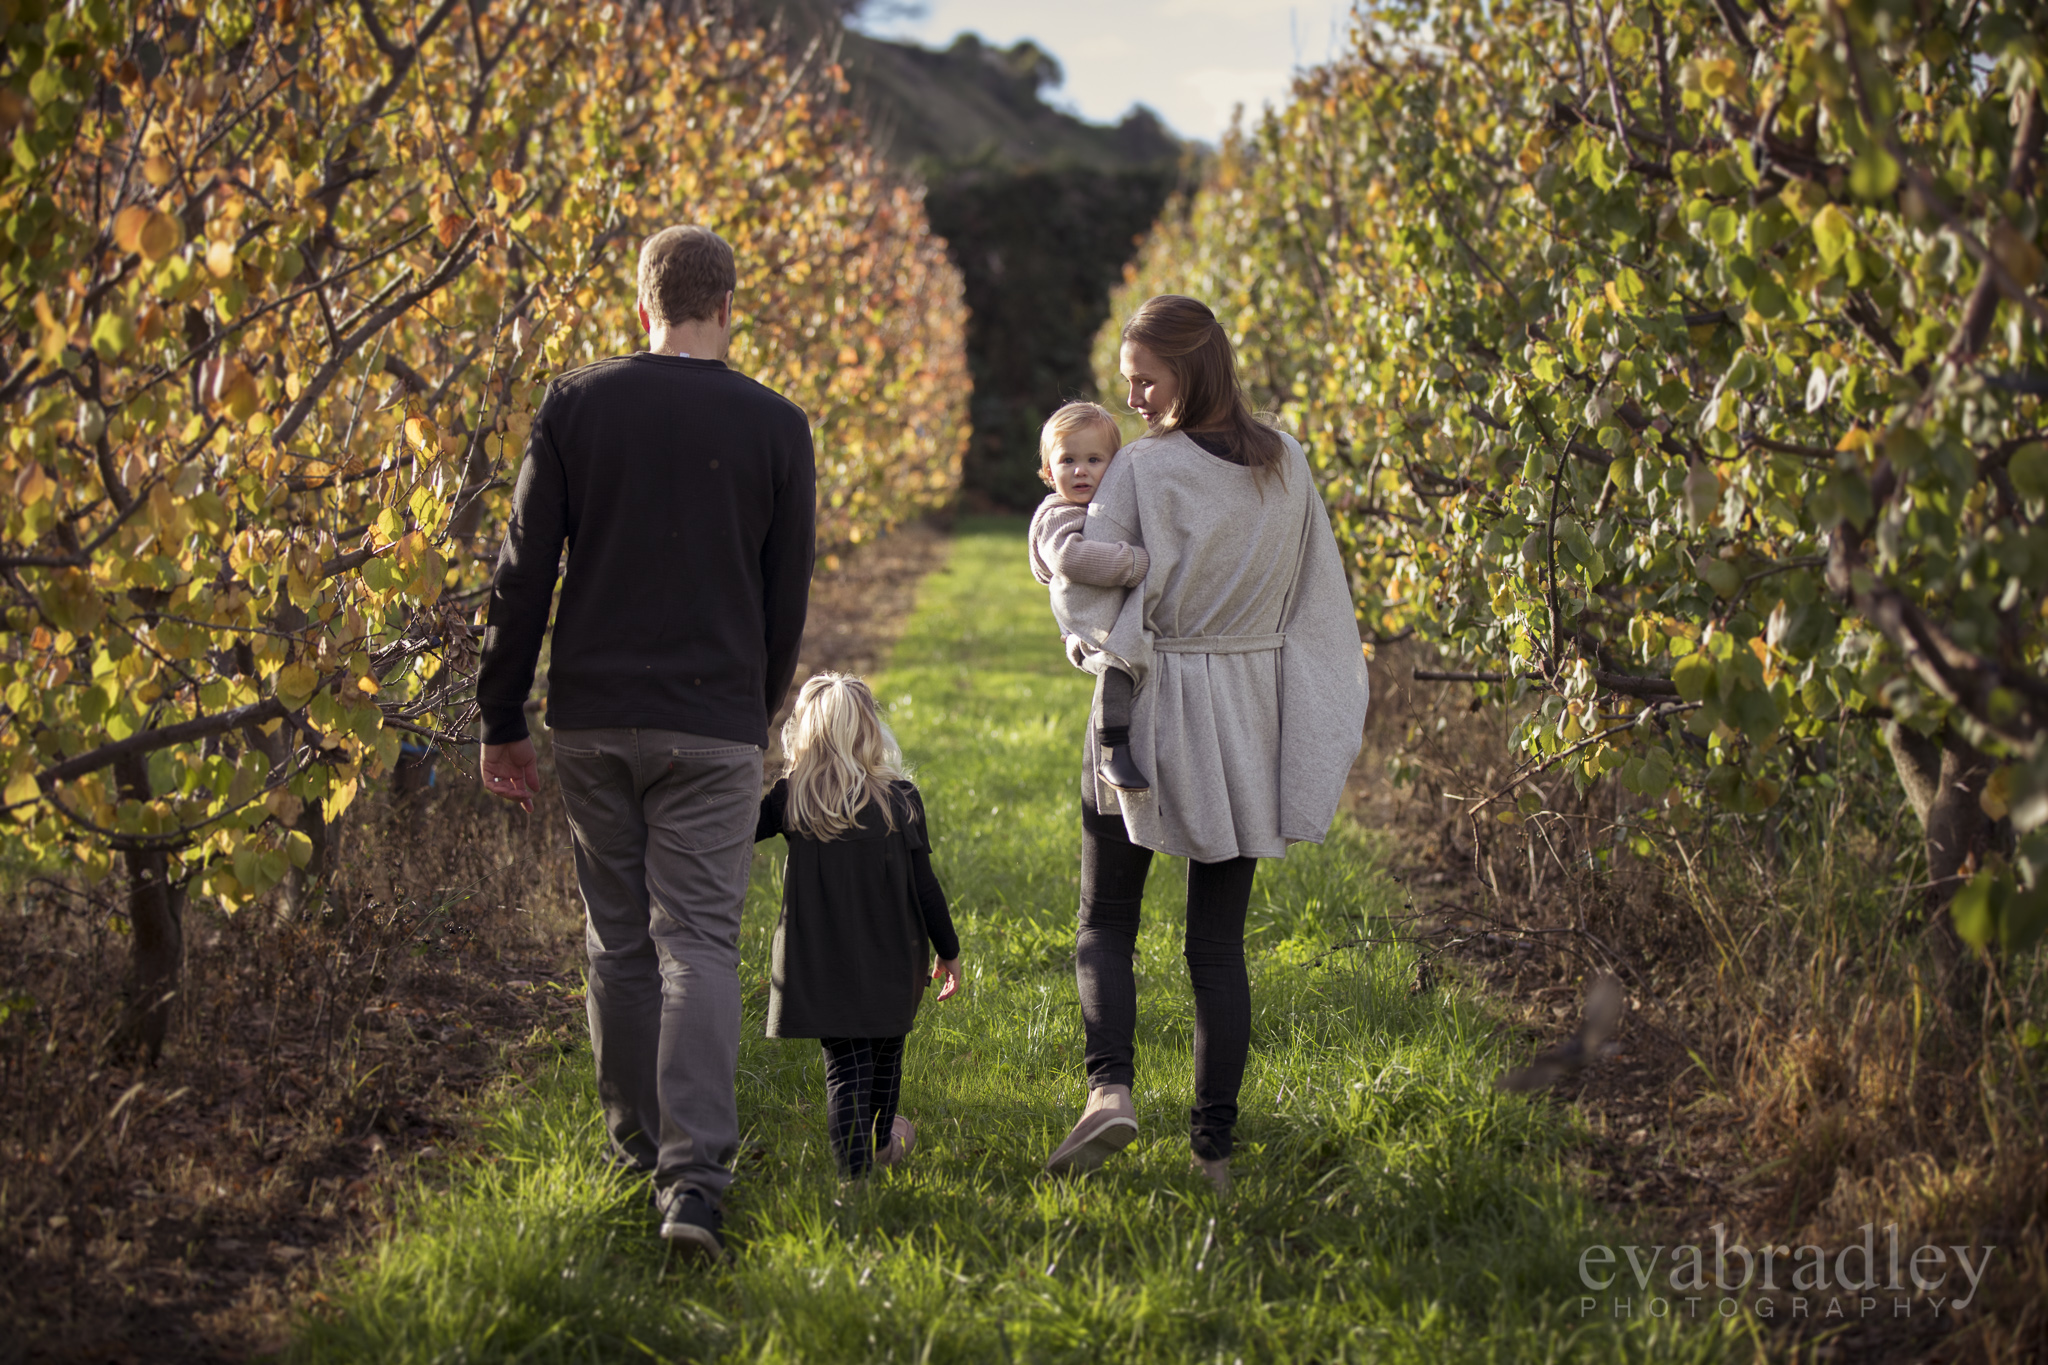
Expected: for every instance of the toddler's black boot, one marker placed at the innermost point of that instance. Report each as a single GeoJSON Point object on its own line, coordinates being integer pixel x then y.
{"type": "Point", "coordinates": [1117, 767]}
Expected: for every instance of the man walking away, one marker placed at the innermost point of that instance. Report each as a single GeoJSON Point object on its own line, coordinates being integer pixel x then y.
{"type": "Point", "coordinates": [684, 493]}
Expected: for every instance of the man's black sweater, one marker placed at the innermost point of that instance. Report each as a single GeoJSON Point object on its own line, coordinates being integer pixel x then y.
{"type": "Point", "coordinates": [685, 493]}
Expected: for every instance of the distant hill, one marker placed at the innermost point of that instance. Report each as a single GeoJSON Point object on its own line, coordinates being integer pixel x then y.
{"type": "Point", "coordinates": [976, 103]}
{"type": "Point", "coordinates": [1040, 210]}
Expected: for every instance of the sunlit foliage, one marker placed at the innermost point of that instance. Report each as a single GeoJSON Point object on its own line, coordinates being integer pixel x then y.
{"type": "Point", "coordinates": [1678, 366]}
{"type": "Point", "coordinates": [280, 291]}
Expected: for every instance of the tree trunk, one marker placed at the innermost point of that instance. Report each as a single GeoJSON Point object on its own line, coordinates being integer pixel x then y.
{"type": "Point", "coordinates": [156, 922]}
{"type": "Point", "coordinates": [1944, 778]}
{"type": "Point", "coordinates": [306, 888]}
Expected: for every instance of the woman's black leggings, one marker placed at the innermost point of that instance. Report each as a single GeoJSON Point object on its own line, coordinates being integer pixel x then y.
{"type": "Point", "coordinates": [863, 1077]}
{"type": "Point", "coordinates": [1112, 891]}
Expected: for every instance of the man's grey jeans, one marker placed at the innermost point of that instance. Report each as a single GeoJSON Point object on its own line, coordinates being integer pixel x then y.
{"type": "Point", "coordinates": [664, 826]}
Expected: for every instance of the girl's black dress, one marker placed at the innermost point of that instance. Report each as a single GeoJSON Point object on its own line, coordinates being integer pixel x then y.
{"type": "Point", "coordinates": [862, 916]}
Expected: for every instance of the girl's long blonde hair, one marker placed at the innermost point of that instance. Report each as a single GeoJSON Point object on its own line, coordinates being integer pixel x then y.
{"type": "Point", "coordinates": [838, 756]}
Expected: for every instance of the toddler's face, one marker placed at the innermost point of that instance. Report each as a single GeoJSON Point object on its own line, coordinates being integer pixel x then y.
{"type": "Point", "coordinates": [1079, 459]}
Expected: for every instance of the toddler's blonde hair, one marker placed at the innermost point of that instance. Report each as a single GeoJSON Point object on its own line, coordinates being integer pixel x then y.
{"type": "Point", "coordinates": [1072, 417]}
{"type": "Point", "coordinates": [838, 756]}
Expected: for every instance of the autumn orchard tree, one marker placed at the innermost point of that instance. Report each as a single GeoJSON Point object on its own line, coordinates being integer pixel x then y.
{"type": "Point", "coordinates": [1679, 367]}
{"type": "Point", "coordinates": [281, 289]}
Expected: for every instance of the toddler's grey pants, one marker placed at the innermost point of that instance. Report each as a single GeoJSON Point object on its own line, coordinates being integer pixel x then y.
{"type": "Point", "coordinates": [664, 826]}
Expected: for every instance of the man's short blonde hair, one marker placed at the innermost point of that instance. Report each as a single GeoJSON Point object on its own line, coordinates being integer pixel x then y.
{"type": "Point", "coordinates": [1072, 417]}
{"type": "Point", "coordinates": [685, 273]}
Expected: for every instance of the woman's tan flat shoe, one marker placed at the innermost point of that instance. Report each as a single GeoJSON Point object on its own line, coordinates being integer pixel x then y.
{"type": "Point", "coordinates": [1107, 1126]}
{"type": "Point", "coordinates": [902, 1137]}
{"type": "Point", "coordinates": [1218, 1172]}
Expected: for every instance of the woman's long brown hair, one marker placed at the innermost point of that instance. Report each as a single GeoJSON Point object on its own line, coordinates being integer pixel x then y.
{"type": "Point", "coordinates": [1188, 340]}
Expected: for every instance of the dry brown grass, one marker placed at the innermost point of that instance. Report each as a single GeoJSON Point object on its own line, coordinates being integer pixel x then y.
{"type": "Point", "coordinates": [1787, 1067]}
{"type": "Point", "coordinates": [178, 1212]}
{"type": "Point", "coordinates": [186, 1212]}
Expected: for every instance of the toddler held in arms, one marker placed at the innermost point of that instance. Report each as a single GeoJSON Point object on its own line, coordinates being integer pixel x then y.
{"type": "Point", "coordinates": [1074, 450]}
{"type": "Point", "coordinates": [862, 912]}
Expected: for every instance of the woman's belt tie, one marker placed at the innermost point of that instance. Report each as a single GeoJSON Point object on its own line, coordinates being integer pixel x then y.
{"type": "Point", "coordinates": [1220, 644]}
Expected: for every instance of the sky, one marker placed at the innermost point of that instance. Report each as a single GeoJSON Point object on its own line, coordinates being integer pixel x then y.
{"type": "Point", "coordinates": [1189, 60]}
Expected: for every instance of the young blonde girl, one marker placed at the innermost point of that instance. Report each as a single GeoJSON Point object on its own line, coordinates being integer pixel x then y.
{"type": "Point", "coordinates": [862, 912]}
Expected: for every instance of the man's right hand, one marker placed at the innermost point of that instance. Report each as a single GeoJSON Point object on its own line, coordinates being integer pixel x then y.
{"type": "Point", "coordinates": [512, 771]}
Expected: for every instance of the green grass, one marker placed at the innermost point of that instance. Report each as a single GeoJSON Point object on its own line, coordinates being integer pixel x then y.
{"type": "Point", "coordinates": [1389, 1206]}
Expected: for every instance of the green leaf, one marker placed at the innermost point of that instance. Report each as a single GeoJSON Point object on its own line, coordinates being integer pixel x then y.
{"type": "Point", "coordinates": [1754, 711]}
{"type": "Point", "coordinates": [2028, 470]}
{"type": "Point", "coordinates": [1974, 911]}
{"type": "Point", "coordinates": [1832, 233]}
{"type": "Point", "coordinates": [1875, 174]}
{"type": "Point", "coordinates": [1656, 772]}
{"type": "Point", "coordinates": [1722, 225]}
{"type": "Point", "coordinates": [1702, 494]}
{"type": "Point", "coordinates": [2024, 922]}
{"type": "Point", "coordinates": [1744, 373]}
{"type": "Point", "coordinates": [1724, 578]}
{"type": "Point", "coordinates": [113, 334]}
{"type": "Point", "coordinates": [1770, 300]}
{"type": "Point", "coordinates": [1693, 675]}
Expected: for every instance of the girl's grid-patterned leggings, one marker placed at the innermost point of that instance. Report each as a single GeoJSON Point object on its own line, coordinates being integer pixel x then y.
{"type": "Point", "coordinates": [863, 1077]}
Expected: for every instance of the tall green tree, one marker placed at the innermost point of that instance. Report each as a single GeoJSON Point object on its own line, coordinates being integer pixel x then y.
{"type": "Point", "coordinates": [1679, 366]}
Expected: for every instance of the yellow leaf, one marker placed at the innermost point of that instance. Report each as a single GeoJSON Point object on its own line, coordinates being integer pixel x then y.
{"type": "Point", "coordinates": [220, 259]}
{"type": "Point", "coordinates": [1996, 798]}
{"type": "Point", "coordinates": [240, 395]}
{"type": "Point", "coordinates": [164, 511]}
{"type": "Point", "coordinates": [421, 435]}
{"type": "Point", "coordinates": [32, 485]}
{"type": "Point", "coordinates": [128, 225]}
{"type": "Point", "coordinates": [367, 685]}
{"type": "Point", "coordinates": [338, 798]}
{"type": "Point", "coordinates": [296, 684]}
{"type": "Point", "coordinates": [160, 236]}
{"type": "Point", "coordinates": [1720, 79]}
{"type": "Point", "coordinates": [158, 171]}
{"type": "Point", "coordinates": [21, 789]}
{"type": "Point", "coordinates": [56, 335]}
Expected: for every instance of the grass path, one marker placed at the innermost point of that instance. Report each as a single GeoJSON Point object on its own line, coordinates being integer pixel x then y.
{"type": "Point", "coordinates": [1389, 1205]}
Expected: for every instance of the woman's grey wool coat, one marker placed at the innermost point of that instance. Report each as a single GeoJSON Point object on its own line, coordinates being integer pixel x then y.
{"type": "Point", "coordinates": [1251, 679]}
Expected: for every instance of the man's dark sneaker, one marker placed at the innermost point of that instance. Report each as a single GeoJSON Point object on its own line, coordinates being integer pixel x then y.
{"type": "Point", "coordinates": [689, 1222]}
{"type": "Point", "coordinates": [1120, 770]}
